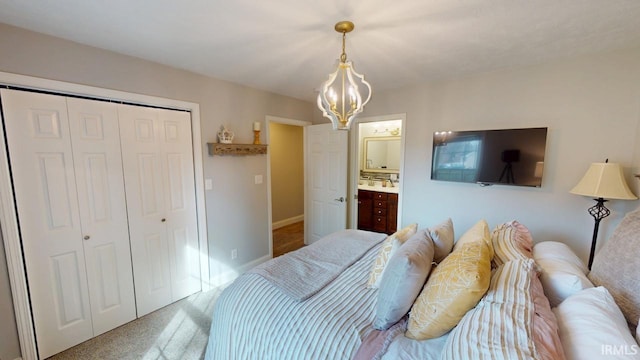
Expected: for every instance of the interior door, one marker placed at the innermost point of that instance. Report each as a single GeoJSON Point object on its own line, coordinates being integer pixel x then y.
{"type": "Point", "coordinates": [326, 181]}
{"type": "Point", "coordinates": [182, 226]}
{"type": "Point", "coordinates": [45, 188]}
{"type": "Point", "coordinates": [142, 163]}
{"type": "Point", "coordinates": [160, 188]}
{"type": "Point", "coordinates": [103, 212]}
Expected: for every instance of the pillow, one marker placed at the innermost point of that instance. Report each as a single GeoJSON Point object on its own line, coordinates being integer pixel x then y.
{"type": "Point", "coordinates": [593, 327]}
{"type": "Point", "coordinates": [616, 266]}
{"type": "Point", "coordinates": [561, 272]}
{"type": "Point", "coordinates": [385, 253]}
{"type": "Point", "coordinates": [511, 241]}
{"type": "Point", "coordinates": [403, 278]}
{"type": "Point", "coordinates": [478, 232]}
{"type": "Point", "coordinates": [558, 251]}
{"type": "Point", "coordinates": [442, 235]}
{"type": "Point", "coordinates": [456, 285]}
{"type": "Point", "coordinates": [512, 321]}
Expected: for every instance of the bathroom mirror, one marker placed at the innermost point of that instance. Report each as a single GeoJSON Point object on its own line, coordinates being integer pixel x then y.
{"type": "Point", "coordinates": [381, 154]}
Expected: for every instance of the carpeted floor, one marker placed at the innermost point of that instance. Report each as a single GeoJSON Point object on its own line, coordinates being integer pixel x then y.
{"type": "Point", "coordinates": [177, 331]}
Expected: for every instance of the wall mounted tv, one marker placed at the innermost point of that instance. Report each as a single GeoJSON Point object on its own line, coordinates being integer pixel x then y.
{"type": "Point", "coordinates": [488, 157]}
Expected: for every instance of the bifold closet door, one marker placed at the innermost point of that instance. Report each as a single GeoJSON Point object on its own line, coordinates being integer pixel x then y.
{"type": "Point", "coordinates": [159, 177]}
{"type": "Point", "coordinates": [70, 201]}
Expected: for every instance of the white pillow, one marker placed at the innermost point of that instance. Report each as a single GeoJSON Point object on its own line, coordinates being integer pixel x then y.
{"type": "Point", "coordinates": [561, 252]}
{"type": "Point", "coordinates": [592, 326]}
{"type": "Point", "coordinates": [562, 273]}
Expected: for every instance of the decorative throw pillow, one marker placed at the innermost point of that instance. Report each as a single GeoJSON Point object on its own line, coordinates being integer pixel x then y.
{"type": "Point", "coordinates": [403, 278]}
{"type": "Point", "coordinates": [442, 235]}
{"type": "Point", "coordinates": [479, 231]}
{"type": "Point", "coordinates": [456, 285]}
{"type": "Point", "coordinates": [385, 253]}
{"type": "Point", "coordinates": [511, 241]}
{"type": "Point", "coordinates": [616, 266]}
{"type": "Point", "coordinates": [512, 321]}
{"type": "Point", "coordinates": [593, 327]}
{"type": "Point", "coordinates": [561, 271]}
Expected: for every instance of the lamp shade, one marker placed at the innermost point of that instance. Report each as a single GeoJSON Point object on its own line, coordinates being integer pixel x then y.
{"type": "Point", "coordinates": [604, 180]}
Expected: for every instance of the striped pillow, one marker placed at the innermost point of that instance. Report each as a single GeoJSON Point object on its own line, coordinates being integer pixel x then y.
{"type": "Point", "coordinates": [508, 322]}
{"type": "Point", "coordinates": [511, 241]}
{"type": "Point", "coordinates": [375, 276]}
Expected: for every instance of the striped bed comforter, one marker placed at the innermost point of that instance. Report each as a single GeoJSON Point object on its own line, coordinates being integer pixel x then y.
{"type": "Point", "coordinates": [253, 319]}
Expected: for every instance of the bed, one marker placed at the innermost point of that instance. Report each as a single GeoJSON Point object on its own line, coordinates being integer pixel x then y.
{"type": "Point", "coordinates": [324, 302]}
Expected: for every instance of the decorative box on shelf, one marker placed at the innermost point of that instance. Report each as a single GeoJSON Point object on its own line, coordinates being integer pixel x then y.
{"type": "Point", "coordinates": [236, 149]}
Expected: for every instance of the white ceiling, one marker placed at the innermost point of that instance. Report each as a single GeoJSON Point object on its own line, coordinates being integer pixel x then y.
{"type": "Point", "coordinates": [289, 46]}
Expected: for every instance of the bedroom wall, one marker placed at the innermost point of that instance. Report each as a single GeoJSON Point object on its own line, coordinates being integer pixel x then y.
{"type": "Point", "coordinates": [287, 171]}
{"type": "Point", "coordinates": [591, 105]}
{"type": "Point", "coordinates": [9, 345]}
{"type": "Point", "coordinates": [237, 215]}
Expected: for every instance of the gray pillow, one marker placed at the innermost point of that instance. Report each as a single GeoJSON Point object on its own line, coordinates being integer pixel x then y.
{"type": "Point", "coordinates": [403, 279]}
{"type": "Point", "coordinates": [617, 266]}
{"type": "Point", "coordinates": [443, 239]}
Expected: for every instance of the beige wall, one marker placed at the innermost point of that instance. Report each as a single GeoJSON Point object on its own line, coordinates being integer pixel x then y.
{"type": "Point", "coordinates": [591, 105]}
{"type": "Point", "coordinates": [9, 346]}
{"type": "Point", "coordinates": [287, 171]}
{"type": "Point", "coordinates": [237, 215]}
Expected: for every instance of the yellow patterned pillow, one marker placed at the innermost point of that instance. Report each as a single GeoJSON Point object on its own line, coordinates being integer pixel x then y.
{"type": "Point", "coordinates": [455, 286]}
{"type": "Point", "coordinates": [479, 231]}
{"type": "Point", "coordinates": [385, 253]}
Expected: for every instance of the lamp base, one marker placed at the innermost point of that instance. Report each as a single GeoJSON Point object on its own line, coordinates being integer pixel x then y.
{"type": "Point", "coordinates": [256, 137]}
{"type": "Point", "coordinates": [599, 212]}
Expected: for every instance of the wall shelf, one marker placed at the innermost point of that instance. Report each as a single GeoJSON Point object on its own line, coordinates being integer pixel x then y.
{"type": "Point", "coordinates": [236, 149]}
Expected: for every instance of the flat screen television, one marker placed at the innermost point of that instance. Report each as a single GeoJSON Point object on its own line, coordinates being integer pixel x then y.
{"type": "Point", "coordinates": [488, 157]}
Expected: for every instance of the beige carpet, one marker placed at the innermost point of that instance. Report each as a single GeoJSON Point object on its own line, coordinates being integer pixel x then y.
{"type": "Point", "coordinates": [177, 331]}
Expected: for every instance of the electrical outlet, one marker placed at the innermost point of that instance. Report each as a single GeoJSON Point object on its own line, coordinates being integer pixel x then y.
{"type": "Point", "coordinates": [258, 179]}
{"type": "Point", "coordinates": [234, 254]}
{"type": "Point", "coordinates": [208, 184]}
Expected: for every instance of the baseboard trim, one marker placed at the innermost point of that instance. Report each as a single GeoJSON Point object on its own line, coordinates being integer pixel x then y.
{"type": "Point", "coordinates": [285, 222]}
{"type": "Point", "coordinates": [226, 277]}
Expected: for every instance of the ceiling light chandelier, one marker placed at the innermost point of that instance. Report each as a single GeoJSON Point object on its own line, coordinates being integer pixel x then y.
{"type": "Point", "coordinates": [340, 99]}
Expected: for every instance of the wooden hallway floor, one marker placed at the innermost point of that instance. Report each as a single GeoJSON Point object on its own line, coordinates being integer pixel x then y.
{"type": "Point", "coordinates": [288, 238]}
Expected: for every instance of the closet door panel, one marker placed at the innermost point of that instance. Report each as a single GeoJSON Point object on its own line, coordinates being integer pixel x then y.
{"type": "Point", "coordinates": [145, 194]}
{"type": "Point", "coordinates": [45, 189]}
{"type": "Point", "coordinates": [103, 212]}
{"type": "Point", "coordinates": [182, 227]}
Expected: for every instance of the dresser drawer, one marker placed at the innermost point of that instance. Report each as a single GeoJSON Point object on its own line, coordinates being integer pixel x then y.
{"type": "Point", "coordinates": [380, 196]}
{"type": "Point", "coordinates": [380, 211]}
{"type": "Point", "coordinates": [380, 223]}
{"type": "Point", "coordinates": [380, 204]}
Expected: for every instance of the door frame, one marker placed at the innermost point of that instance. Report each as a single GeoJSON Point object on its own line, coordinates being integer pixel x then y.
{"type": "Point", "coordinates": [354, 164]}
{"type": "Point", "coordinates": [278, 120]}
{"type": "Point", "coordinates": [9, 218]}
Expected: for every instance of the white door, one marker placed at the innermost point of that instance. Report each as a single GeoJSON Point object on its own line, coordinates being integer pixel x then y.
{"type": "Point", "coordinates": [326, 181]}
{"type": "Point", "coordinates": [45, 188]}
{"type": "Point", "coordinates": [158, 168]}
{"type": "Point", "coordinates": [179, 185]}
{"type": "Point", "coordinates": [103, 213]}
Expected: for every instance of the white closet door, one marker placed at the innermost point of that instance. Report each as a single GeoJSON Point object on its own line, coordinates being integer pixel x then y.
{"type": "Point", "coordinates": [182, 227]}
{"type": "Point", "coordinates": [143, 173]}
{"type": "Point", "coordinates": [95, 141]}
{"type": "Point", "coordinates": [45, 189]}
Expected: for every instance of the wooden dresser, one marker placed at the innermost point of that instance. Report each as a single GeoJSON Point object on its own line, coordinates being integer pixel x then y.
{"type": "Point", "coordinates": [377, 211]}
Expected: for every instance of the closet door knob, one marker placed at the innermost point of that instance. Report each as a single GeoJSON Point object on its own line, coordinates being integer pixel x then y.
{"type": "Point", "coordinates": [87, 237]}
{"type": "Point", "coordinates": [163, 220]}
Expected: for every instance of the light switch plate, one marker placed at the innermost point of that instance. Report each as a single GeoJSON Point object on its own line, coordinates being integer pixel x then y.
{"type": "Point", "coordinates": [258, 179]}
{"type": "Point", "coordinates": [208, 184]}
